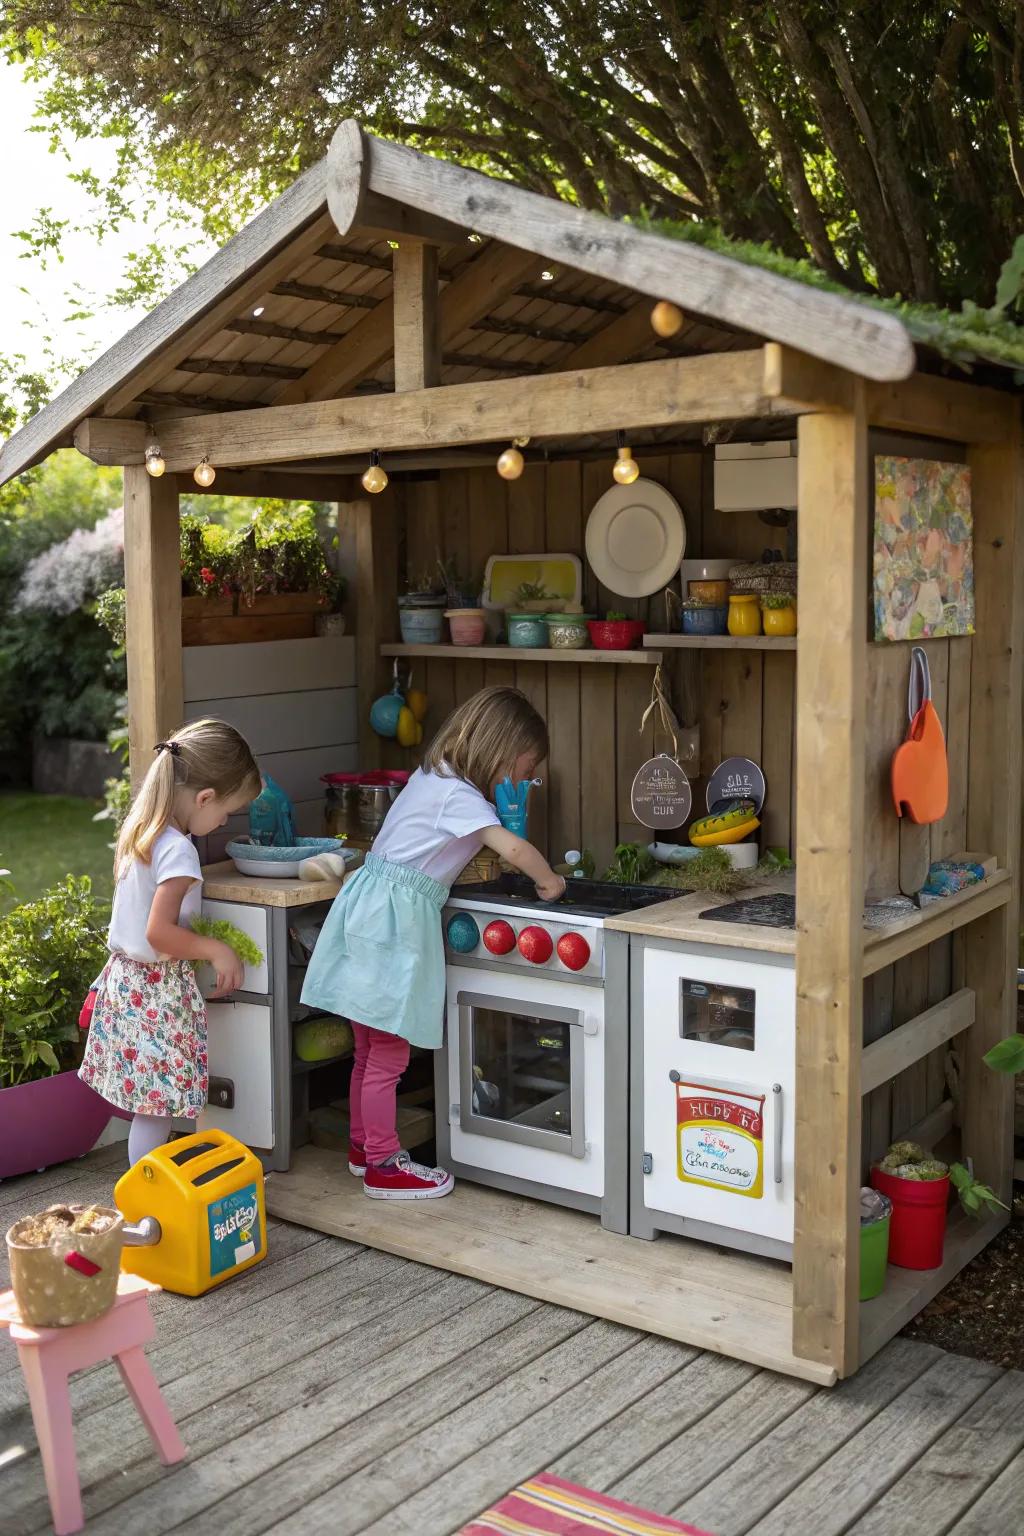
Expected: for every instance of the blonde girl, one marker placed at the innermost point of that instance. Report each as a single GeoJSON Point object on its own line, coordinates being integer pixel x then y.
{"type": "Point", "coordinates": [380, 957]}
{"type": "Point", "coordinates": [146, 1048]}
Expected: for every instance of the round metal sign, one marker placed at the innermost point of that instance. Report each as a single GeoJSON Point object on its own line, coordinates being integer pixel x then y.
{"type": "Point", "coordinates": [661, 795]}
{"type": "Point", "coordinates": [738, 778]}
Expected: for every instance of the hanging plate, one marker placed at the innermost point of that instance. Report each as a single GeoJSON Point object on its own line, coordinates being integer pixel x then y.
{"type": "Point", "coordinates": [635, 538]}
{"type": "Point", "coordinates": [738, 778]}
{"type": "Point", "coordinates": [661, 795]}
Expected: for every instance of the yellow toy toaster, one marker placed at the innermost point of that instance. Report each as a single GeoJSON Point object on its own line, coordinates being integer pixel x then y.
{"type": "Point", "coordinates": [196, 1213]}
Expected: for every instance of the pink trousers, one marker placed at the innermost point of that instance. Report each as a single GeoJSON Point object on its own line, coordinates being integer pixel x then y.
{"type": "Point", "coordinates": [380, 1061]}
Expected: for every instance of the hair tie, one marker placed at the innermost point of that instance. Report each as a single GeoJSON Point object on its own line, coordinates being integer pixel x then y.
{"type": "Point", "coordinates": [173, 747]}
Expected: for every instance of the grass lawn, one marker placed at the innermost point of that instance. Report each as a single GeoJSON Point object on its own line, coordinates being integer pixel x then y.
{"type": "Point", "coordinates": [45, 837]}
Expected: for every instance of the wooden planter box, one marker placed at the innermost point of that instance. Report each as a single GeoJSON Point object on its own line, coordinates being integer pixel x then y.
{"type": "Point", "coordinates": [231, 621]}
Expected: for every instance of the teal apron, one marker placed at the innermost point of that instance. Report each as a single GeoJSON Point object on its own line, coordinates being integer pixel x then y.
{"type": "Point", "coordinates": [379, 959]}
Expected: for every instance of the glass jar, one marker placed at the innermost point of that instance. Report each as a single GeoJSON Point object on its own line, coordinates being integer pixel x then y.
{"type": "Point", "coordinates": [744, 614]}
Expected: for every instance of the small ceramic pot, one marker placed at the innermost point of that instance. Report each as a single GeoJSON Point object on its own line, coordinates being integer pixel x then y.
{"type": "Point", "coordinates": [330, 624]}
{"type": "Point", "coordinates": [527, 630]}
{"type": "Point", "coordinates": [421, 626]}
{"type": "Point", "coordinates": [744, 614]}
{"type": "Point", "coordinates": [714, 593]}
{"type": "Point", "coordinates": [779, 621]}
{"type": "Point", "coordinates": [616, 634]}
{"type": "Point", "coordinates": [466, 625]}
{"type": "Point", "coordinates": [705, 619]}
{"type": "Point", "coordinates": [567, 631]}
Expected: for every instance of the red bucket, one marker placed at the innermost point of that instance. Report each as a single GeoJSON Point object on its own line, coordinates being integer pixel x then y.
{"type": "Point", "coordinates": [918, 1229]}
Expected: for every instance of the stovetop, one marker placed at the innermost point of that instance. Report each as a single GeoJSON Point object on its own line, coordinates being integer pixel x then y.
{"type": "Point", "coordinates": [583, 898]}
{"type": "Point", "coordinates": [775, 911]}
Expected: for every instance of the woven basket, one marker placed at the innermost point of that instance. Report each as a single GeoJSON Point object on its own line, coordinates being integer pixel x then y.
{"type": "Point", "coordinates": [486, 866]}
{"type": "Point", "coordinates": [50, 1292]}
{"type": "Point", "coordinates": [780, 577]}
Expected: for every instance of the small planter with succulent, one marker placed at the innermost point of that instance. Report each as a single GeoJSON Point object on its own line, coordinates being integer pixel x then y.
{"type": "Point", "coordinates": [778, 614]}
{"type": "Point", "coordinates": [918, 1184]}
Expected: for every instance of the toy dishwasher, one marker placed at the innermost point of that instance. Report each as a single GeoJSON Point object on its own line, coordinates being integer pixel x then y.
{"type": "Point", "coordinates": [196, 1212]}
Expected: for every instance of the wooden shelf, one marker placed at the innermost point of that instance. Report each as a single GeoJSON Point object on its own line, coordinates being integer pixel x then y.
{"type": "Point", "coordinates": [721, 642]}
{"type": "Point", "coordinates": [643, 658]}
{"type": "Point", "coordinates": [886, 945]}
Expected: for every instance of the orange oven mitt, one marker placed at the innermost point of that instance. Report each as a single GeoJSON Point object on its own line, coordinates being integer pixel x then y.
{"type": "Point", "coordinates": [920, 772]}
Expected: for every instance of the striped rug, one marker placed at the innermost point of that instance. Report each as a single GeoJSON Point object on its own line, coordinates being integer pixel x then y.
{"type": "Point", "coordinates": [549, 1506]}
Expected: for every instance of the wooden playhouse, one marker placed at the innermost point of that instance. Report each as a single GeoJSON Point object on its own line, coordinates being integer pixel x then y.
{"type": "Point", "coordinates": [393, 303]}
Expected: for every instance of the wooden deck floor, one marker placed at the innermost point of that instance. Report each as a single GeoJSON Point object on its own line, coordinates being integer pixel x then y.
{"type": "Point", "coordinates": [337, 1389]}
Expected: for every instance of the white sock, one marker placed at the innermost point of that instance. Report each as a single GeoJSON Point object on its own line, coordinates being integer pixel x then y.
{"type": "Point", "coordinates": [147, 1132]}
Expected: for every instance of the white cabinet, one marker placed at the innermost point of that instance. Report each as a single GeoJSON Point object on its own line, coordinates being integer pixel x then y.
{"type": "Point", "coordinates": [751, 477]}
{"type": "Point", "coordinates": [241, 1051]}
{"type": "Point", "coordinates": [253, 921]}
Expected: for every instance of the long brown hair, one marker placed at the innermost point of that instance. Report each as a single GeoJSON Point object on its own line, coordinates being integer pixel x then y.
{"type": "Point", "coordinates": [481, 740]}
{"type": "Point", "coordinates": [209, 754]}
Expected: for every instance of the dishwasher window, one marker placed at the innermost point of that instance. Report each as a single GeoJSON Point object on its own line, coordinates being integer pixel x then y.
{"type": "Point", "coordinates": [717, 1014]}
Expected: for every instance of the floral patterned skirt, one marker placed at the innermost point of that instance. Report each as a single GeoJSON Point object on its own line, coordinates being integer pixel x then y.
{"type": "Point", "coordinates": [146, 1049]}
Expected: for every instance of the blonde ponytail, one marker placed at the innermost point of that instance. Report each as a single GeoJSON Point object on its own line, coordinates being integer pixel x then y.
{"type": "Point", "coordinates": [208, 754]}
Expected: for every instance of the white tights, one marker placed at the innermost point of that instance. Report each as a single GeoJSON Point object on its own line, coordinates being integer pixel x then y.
{"type": "Point", "coordinates": [147, 1132]}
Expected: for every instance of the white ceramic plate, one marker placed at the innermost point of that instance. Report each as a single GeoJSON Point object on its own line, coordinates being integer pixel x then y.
{"type": "Point", "coordinates": [636, 537]}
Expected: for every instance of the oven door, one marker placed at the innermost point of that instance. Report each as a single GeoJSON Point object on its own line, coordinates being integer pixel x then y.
{"type": "Point", "coordinates": [521, 1073]}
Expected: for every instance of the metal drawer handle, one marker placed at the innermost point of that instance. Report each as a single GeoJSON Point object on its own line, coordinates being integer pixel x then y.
{"type": "Point", "coordinates": [777, 1119]}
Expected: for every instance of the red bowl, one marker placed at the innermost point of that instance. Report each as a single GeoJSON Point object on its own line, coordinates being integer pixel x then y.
{"type": "Point", "coordinates": [616, 634]}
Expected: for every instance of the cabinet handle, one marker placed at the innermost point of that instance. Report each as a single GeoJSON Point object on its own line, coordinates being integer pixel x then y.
{"type": "Point", "coordinates": [777, 1121]}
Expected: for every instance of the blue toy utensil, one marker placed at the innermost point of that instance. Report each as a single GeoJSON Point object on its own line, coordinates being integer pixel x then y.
{"type": "Point", "coordinates": [272, 817]}
{"type": "Point", "coordinates": [511, 802]}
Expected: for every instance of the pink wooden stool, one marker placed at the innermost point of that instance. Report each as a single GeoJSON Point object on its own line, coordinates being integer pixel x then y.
{"type": "Point", "coordinates": [48, 1357]}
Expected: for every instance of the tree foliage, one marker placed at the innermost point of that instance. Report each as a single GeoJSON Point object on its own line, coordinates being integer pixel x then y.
{"type": "Point", "coordinates": [885, 142]}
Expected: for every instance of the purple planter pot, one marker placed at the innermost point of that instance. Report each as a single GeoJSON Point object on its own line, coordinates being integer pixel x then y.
{"type": "Point", "coordinates": [49, 1121]}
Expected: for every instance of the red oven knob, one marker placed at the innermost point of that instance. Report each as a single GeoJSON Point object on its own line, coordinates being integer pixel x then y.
{"type": "Point", "coordinates": [535, 945]}
{"type": "Point", "coordinates": [499, 937]}
{"type": "Point", "coordinates": [573, 951]}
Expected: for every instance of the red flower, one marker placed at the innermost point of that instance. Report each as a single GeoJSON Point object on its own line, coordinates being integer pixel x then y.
{"type": "Point", "coordinates": [129, 1053]}
{"type": "Point", "coordinates": [151, 1013]}
{"type": "Point", "coordinates": [154, 1095]}
{"type": "Point", "coordinates": [207, 575]}
{"type": "Point", "coordinates": [129, 1085]}
{"type": "Point", "coordinates": [153, 975]}
{"type": "Point", "coordinates": [136, 999]}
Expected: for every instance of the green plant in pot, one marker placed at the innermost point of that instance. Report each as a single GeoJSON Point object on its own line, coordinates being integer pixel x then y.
{"type": "Point", "coordinates": [534, 597]}
{"type": "Point", "coordinates": [778, 614]}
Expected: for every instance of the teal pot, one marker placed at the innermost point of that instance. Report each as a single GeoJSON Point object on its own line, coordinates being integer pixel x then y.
{"type": "Point", "coordinates": [527, 630]}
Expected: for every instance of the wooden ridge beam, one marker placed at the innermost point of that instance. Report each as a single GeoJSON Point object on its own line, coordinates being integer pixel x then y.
{"type": "Point", "coordinates": [894, 1052]}
{"type": "Point", "coordinates": [719, 386]}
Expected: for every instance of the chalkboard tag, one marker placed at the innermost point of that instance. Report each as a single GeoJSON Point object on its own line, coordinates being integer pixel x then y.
{"type": "Point", "coordinates": [738, 778]}
{"type": "Point", "coordinates": [661, 797]}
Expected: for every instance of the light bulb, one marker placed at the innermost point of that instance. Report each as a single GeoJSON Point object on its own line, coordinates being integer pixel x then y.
{"type": "Point", "coordinates": [258, 311]}
{"type": "Point", "coordinates": [666, 318]}
{"type": "Point", "coordinates": [625, 469]}
{"type": "Point", "coordinates": [155, 465]}
{"type": "Point", "coordinates": [375, 480]}
{"type": "Point", "coordinates": [510, 464]}
{"type": "Point", "coordinates": [204, 473]}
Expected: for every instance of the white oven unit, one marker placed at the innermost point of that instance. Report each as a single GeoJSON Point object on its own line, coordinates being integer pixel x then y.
{"type": "Point", "coordinates": [712, 1086]}
{"type": "Point", "coordinates": [530, 1082]}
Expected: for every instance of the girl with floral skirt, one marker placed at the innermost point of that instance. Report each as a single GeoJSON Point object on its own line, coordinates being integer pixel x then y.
{"type": "Point", "coordinates": [146, 1049]}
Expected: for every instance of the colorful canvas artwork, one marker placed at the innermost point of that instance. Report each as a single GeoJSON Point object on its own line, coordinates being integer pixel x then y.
{"type": "Point", "coordinates": [923, 549]}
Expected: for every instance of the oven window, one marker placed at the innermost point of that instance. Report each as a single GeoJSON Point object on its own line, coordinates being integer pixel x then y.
{"type": "Point", "coordinates": [718, 1014]}
{"type": "Point", "coordinates": [522, 1070]}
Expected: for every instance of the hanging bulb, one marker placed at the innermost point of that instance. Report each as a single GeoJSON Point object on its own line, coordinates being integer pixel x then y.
{"type": "Point", "coordinates": [666, 318]}
{"type": "Point", "coordinates": [204, 473]}
{"type": "Point", "coordinates": [625, 469]}
{"type": "Point", "coordinates": [155, 465]}
{"type": "Point", "coordinates": [511, 463]}
{"type": "Point", "coordinates": [375, 479]}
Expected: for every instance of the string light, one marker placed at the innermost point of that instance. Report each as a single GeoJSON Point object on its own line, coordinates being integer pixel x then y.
{"type": "Point", "coordinates": [375, 478]}
{"type": "Point", "coordinates": [155, 465]}
{"type": "Point", "coordinates": [625, 469]}
{"type": "Point", "coordinates": [204, 473]}
{"type": "Point", "coordinates": [258, 311]}
{"type": "Point", "coordinates": [666, 318]}
{"type": "Point", "coordinates": [511, 463]}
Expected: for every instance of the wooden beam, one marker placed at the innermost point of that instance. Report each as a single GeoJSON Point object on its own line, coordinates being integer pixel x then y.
{"type": "Point", "coordinates": [417, 335]}
{"type": "Point", "coordinates": [111, 441]}
{"type": "Point", "coordinates": [719, 386]}
{"type": "Point", "coordinates": [816, 385]}
{"type": "Point", "coordinates": [152, 581]}
{"type": "Point", "coordinates": [617, 342]}
{"type": "Point", "coordinates": [239, 368]}
{"type": "Point", "coordinates": [893, 1053]}
{"type": "Point", "coordinates": [376, 588]}
{"type": "Point", "coordinates": [830, 711]}
{"type": "Point", "coordinates": [283, 485]}
{"type": "Point", "coordinates": [945, 408]}
{"type": "Point", "coordinates": [319, 293]}
{"type": "Point", "coordinates": [839, 330]}
{"type": "Point", "coordinates": [994, 794]}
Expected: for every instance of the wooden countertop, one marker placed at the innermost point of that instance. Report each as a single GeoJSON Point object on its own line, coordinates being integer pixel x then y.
{"type": "Point", "coordinates": [223, 882]}
{"type": "Point", "coordinates": [679, 919]}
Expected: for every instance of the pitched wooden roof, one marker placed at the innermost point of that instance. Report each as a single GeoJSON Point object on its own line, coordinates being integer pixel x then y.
{"type": "Point", "coordinates": [298, 305]}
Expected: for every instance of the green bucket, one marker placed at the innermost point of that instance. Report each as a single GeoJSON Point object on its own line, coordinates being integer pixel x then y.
{"type": "Point", "coordinates": [874, 1256]}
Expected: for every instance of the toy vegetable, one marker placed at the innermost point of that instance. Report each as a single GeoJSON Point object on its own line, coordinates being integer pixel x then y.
{"type": "Point", "coordinates": [246, 948]}
{"type": "Point", "coordinates": [732, 825]}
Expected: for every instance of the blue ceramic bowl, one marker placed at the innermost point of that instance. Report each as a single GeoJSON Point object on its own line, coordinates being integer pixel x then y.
{"type": "Point", "coordinates": [527, 630]}
{"type": "Point", "coordinates": [705, 621]}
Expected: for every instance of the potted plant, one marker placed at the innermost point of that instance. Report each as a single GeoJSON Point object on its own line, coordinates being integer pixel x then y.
{"type": "Point", "coordinates": [616, 632]}
{"type": "Point", "coordinates": [467, 621]}
{"type": "Point", "coordinates": [421, 609]}
{"type": "Point", "coordinates": [51, 950]}
{"type": "Point", "coordinates": [918, 1185]}
{"type": "Point", "coordinates": [778, 613]}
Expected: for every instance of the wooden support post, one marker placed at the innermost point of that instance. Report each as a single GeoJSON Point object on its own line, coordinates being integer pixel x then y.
{"type": "Point", "coordinates": [152, 580]}
{"type": "Point", "coordinates": [417, 335]}
{"type": "Point", "coordinates": [994, 796]}
{"type": "Point", "coordinates": [830, 712]}
{"type": "Point", "coordinates": [376, 587]}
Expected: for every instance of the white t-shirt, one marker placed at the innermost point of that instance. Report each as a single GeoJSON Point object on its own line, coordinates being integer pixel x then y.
{"type": "Point", "coordinates": [435, 825]}
{"type": "Point", "coordinates": [173, 855]}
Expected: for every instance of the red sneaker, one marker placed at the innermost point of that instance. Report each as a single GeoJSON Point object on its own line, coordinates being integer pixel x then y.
{"type": "Point", "coordinates": [356, 1159]}
{"type": "Point", "coordinates": [402, 1179]}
